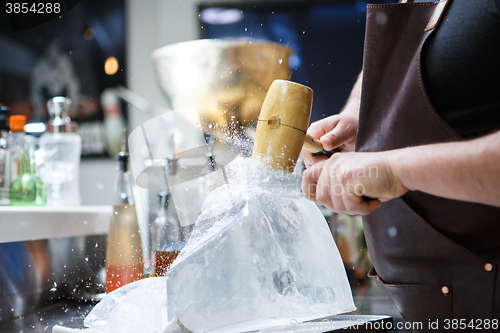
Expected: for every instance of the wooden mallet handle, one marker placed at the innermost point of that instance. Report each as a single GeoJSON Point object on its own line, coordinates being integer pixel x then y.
{"type": "Point", "coordinates": [312, 145]}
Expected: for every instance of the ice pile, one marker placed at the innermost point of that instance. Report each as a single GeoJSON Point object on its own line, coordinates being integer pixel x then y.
{"type": "Point", "coordinates": [260, 256]}
{"type": "Point", "coordinates": [133, 308]}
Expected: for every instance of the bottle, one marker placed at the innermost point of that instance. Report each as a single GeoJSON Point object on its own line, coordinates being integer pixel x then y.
{"type": "Point", "coordinates": [166, 236]}
{"type": "Point", "coordinates": [59, 156]}
{"type": "Point", "coordinates": [113, 120]}
{"type": "Point", "coordinates": [27, 189]}
{"type": "Point", "coordinates": [16, 142]}
{"type": "Point", "coordinates": [5, 156]}
{"type": "Point", "coordinates": [185, 210]}
{"type": "Point", "coordinates": [124, 262]}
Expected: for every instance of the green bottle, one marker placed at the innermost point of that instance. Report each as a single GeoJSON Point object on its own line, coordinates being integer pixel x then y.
{"type": "Point", "coordinates": [27, 189]}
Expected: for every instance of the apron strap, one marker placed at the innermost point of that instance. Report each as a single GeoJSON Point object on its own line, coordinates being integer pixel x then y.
{"type": "Point", "coordinates": [436, 16]}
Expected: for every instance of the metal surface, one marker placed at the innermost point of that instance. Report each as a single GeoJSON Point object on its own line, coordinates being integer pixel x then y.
{"type": "Point", "coordinates": [369, 300]}
{"type": "Point", "coordinates": [40, 272]}
{"type": "Point", "coordinates": [48, 254]}
{"type": "Point", "coordinates": [227, 80]}
{"type": "Point", "coordinates": [69, 313]}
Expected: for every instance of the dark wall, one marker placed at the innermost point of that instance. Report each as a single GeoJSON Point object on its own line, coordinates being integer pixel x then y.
{"type": "Point", "coordinates": [327, 37]}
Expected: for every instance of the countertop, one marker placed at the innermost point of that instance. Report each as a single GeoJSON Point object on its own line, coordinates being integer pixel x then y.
{"type": "Point", "coordinates": [369, 300]}
{"type": "Point", "coordinates": [26, 223]}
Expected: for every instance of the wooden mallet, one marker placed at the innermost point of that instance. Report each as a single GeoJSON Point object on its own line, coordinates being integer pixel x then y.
{"type": "Point", "coordinates": [282, 126]}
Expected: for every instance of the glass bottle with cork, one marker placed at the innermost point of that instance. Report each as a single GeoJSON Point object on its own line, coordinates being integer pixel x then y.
{"type": "Point", "coordinates": [124, 261]}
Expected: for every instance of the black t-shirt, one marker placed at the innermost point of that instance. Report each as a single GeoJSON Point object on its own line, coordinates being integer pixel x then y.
{"type": "Point", "coordinates": [461, 67]}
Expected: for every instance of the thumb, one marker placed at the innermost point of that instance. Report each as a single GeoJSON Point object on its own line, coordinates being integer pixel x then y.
{"type": "Point", "coordinates": [341, 134]}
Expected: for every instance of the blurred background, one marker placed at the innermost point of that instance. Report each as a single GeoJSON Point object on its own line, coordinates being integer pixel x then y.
{"type": "Point", "coordinates": [106, 44]}
{"type": "Point", "coordinates": [126, 64]}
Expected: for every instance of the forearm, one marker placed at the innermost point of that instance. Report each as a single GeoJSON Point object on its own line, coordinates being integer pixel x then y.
{"type": "Point", "coordinates": [353, 102]}
{"type": "Point", "coordinates": [467, 170]}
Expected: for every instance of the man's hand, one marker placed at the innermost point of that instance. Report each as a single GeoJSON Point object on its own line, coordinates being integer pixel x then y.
{"type": "Point", "coordinates": [337, 131]}
{"type": "Point", "coordinates": [354, 183]}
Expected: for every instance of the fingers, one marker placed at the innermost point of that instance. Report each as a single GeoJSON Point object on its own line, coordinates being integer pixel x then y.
{"type": "Point", "coordinates": [355, 201]}
{"type": "Point", "coordinates": [310, 159]}
{"type": "Point", "coordinates": [342, 195]}
{"type": "Point", "coordinates": [335, 131]}
{"type": "Point", "coordinates": [342, 133]}
{"type": "Point", "coordinates": [310, 178]}
{"type": "Point", "coordinates": [321, 127]}
{"type": "Point", "coordinates": [334, 184]}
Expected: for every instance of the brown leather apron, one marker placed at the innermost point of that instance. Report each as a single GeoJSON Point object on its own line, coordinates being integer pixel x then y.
{"type": "Point", "coordinates": [437, 259]}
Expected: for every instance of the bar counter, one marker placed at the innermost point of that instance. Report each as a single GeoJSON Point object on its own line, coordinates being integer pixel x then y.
{"type": "Point", "coordinates": [369, 300]}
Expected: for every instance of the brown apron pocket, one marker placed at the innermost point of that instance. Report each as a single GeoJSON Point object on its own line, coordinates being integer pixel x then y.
{"type": "Point", "coordinates": [430, 301]}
